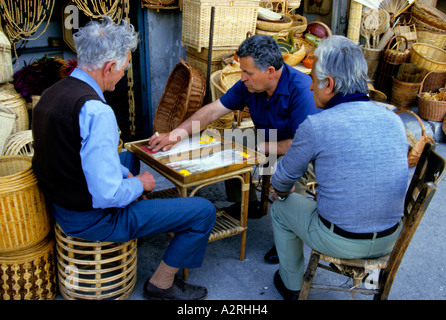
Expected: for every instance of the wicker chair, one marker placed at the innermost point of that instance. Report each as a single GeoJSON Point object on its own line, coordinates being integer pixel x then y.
{"type": "Point", "coordinates": [428, 173]}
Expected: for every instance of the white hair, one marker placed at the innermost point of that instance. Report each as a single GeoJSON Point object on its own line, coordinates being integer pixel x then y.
{"type": "Point", "coordinates": [101, 41]}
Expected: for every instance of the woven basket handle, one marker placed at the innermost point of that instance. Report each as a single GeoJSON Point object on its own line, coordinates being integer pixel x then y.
{"type": "Point", "coordinates": [397, 42]}
{"type": "Point", "coordinates": [423, 131]}
{"type": "Point", "coordinates": [426, 76]}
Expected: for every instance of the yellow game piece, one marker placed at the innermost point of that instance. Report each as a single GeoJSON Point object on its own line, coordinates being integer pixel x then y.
{"type": "Point", "coordinates": [244, 155]}
{"type": "Point", "coordinates": [185, 172]}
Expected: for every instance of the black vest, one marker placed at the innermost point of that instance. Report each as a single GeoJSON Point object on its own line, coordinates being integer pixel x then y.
{"type": "Point", "coordinates": [57, 143]}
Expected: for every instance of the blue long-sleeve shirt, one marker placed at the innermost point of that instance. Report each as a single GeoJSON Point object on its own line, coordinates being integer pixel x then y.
{"type": "Point", "coordinates": [359, 151]}
{"type": "Point", "coordinates": [106, 178]}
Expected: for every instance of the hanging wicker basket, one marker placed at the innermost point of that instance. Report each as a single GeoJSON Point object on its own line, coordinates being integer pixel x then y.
{"type": "Point", "coordinates": [6, 70]}
{"type": "Point", "coordinates": [182, 96]}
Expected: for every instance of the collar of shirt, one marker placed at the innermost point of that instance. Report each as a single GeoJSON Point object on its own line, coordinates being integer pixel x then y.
{"type": "Point", "coordinates": [82, 75]}
{"type": "Point", "coordinates": [282, 87]}
{"type": "Point", "coordinates": [339, 98]}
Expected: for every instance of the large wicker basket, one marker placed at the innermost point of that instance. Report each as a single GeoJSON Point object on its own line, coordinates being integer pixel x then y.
{"type": "Point", "coordinates": [404, 94]}
{"type": "Point", "coordinates": [435, 38]}
{"type": "Point", "coordinates": [182, 96]}
{"type": "Point", "coordinates": [29, 274]}
{"type": "Point", "coordinates": [24, 218]}
{"type": "Point", "coordinates": [232, 21]}
{"type": "Point", "coordinates": [94, 270]}
{"type": "Point", "coordinates": [428, 56]}
{"type": "Point", "coordinates": [430, 109]}
{"type": "Point", "coordinates": [429, 16]}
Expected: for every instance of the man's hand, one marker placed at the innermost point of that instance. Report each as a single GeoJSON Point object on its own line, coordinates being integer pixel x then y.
{"type": "Point", "coordinates": [165, 141]}
{"type": "Point", "coordinates": [147, 180]}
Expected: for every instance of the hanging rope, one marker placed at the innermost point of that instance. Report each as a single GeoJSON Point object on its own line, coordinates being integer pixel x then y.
{"type": "Point", "coordinates": [22, 18]}
{"type": "Point", "coordinates": [117, 10]}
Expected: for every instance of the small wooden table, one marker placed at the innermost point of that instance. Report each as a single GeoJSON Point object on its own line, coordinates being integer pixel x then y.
{"type": "Point", "coordinates": [201, 161]}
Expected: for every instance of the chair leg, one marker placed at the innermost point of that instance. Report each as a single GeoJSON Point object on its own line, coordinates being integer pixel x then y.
{"type": "Point", "coordinates": [309, 275]}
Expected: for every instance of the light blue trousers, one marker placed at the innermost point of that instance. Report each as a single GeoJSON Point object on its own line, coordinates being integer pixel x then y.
{"type": "Point", "coordinates": [296, 221]}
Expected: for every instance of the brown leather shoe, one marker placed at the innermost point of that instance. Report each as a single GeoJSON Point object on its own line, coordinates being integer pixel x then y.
{"type": "Point", "coordinates": [180, 290]}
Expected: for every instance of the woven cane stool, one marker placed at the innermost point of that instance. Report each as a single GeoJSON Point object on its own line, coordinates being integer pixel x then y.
{"type": "Point", "coordinates": [95, 270]}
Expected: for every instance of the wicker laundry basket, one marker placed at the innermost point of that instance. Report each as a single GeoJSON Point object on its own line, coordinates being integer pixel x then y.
{"type": "Point", "coordinates": [183, 95]}
{"type": "Point", "coordinates": [95, 270]}
{"type": "Point", "coordinates": [24, 218]}
{"type": "Point", "coordinates": [29, 274]}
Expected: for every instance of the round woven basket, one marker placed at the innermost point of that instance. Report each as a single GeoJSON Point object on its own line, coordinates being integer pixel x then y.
{"type": "Point", "coordinates": [183, 95]}
{"type": "Point", "coordinates": [428, 56]}
{"type": "Point", "coordinates": [29, 274]}
{"type": "Point", "coordinates": [430, 109]}
{"type": "Point", "coordinates": [24, 218]}
{"type": "Point", "coordinates": [435, 38]}
{"type": "Point", "coordinates": [229, 76]}
{"type": "Point", "coordinates": [404, 94]}
{"type": "Point", "coordinates": [94, 270]}
{"type": "Point", "coordinates": [13, 100]}
{"type": "Point", "coordinates": [284, 23]}
{"type": "Point", "coordinates": [429, 15]}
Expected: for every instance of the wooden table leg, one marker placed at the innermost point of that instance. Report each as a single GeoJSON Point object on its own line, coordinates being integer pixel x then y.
{"type": "Point", "coordinates": [244, 211]}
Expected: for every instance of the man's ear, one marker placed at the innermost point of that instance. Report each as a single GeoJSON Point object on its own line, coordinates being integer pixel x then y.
{"type": "Point", "coordinates": [329, 88]}
{"type": "Point", "coordinates": [109, 66]}
{"type": "Point", "coordinates": [271, 72]}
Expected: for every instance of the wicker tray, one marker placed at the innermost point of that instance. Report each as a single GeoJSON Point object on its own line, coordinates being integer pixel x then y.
{"type": "Point", "coordinates": [429, 15]}
{"type": "Point", "coordinates": [182, 96]}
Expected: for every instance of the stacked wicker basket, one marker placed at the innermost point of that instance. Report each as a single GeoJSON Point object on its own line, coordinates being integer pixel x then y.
{"type": "Point", "coordinates": [27, 269]}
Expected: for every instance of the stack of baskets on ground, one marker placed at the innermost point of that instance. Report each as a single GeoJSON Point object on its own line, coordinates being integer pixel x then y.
{"type": "Point", "coordinates": [27, 266]}
{"type": "Point", "coordinates": [430, 24]}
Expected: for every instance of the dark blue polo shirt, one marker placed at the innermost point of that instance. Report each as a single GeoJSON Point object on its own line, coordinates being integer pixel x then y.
{"type": "Point", "coordinates": [288, 107]}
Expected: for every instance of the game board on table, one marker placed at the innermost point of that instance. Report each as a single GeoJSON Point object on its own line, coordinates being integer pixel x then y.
{"type": "Point", "coordinates": [197, 158]}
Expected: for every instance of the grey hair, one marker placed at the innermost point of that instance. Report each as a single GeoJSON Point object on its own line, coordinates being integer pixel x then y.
{"type": "Point", "coordinates": [343, 60]}
{"type": "Point", "coordinates": [263, 49]}
{"type": "Point", "coordinates": [101, 41]}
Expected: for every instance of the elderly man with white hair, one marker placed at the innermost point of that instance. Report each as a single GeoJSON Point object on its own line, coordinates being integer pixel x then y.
{"type": "Point", "coordinates": [91, 189]}
{"type": "Point", "coordinates": [359, 150]}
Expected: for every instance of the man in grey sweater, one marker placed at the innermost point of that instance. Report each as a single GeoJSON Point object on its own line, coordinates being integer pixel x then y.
{"type": "Point", "coordinates": [359, 150]}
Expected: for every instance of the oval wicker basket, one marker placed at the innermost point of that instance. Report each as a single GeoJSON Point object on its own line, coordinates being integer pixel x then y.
{"type": "Point", "coordinates": [182, 96]}
{"type": "Point", "coordinates": [95, 270]}
{"type": "Point", "coordinates": [429, 15]}
{"type": "Point", "coordinates": [229, 76]}
{"type": "Point", "coordinates": [428, 56]}
{"type": "Point", "coordinates": [29, 274]}
{"type": "Point", "coordinates": [24, 218]}
{"type": "Point", "coordinates": [430, 109]}
{"type": "Point", "coordinates": [404, 94]}
{"type": "Point", "coordinates": [435, 38]}
{"type": "Point", "coordinates": [217, 91]}
{"type": "Point", "coordinates": [282, 24]}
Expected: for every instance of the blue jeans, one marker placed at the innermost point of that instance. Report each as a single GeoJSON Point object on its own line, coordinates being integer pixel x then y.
{"type": "Point", "coordinates": [190, 219]}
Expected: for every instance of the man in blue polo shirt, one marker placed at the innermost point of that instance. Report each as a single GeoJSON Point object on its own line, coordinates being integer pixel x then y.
{"type": "Point", "coordinates": [278, 97]}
